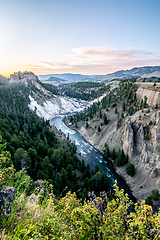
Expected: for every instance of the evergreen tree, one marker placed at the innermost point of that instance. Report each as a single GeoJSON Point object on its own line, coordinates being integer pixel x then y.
{"type": "Point", "coordinates": [124, 107]}
{"type": "Point", "coordinates": [105, 119]}
{"type": "Point", "coordinates": [99, 128]}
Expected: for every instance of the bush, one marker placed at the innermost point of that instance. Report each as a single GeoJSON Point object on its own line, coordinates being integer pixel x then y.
{"type": "Point", "coordinates": [145, 136]}
{"type": "Point", "coordinates": [156, 106]}
{"type": "Point", "coordinates": [130, 110]}
{"type": "Point", "coordinates": [155, 194]}
{"type": "Point", "coordinates": [130, 169]}
{"type": "Point", "coordinates": [148, 200]}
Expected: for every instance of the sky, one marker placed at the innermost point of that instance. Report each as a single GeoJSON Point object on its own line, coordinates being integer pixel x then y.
{"type": "Point", "coordinates": [84, 37]}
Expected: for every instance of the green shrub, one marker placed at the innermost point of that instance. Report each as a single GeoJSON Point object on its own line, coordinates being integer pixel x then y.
{"type": "Point", "coordinates": [155, 194]}
{"type": "Point", "coordinates": [154, 123]}
{"type": "Point", "coordinates": [156, 106]}
{"type": "Point", "coordinates": [145, 136]}
{"type": "Point", "coordinates": [130, 169]}
{"type": "Point", "coordinates": [148, 200]}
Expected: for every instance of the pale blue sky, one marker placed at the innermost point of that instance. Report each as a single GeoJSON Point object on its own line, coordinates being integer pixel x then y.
{"type": "Point", "coordinates": [87, 37]}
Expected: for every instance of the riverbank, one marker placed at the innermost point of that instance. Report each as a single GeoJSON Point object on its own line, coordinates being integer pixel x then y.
{"type": "Point", "coordinates": [92, 155]}
{"type": "Point", "coordinates": [114, 168]}
{"type": "Point", "coordinates": [133, 183]}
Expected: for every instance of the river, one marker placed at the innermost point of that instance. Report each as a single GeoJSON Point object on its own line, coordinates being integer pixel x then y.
{"type": "Point", "coordinates": [92, 155]}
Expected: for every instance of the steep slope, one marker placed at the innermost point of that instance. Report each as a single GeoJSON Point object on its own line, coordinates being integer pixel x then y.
{"type": "Point", "coordinates": [138, 135]}
{"type": "Point", "coordinates": [47, 104]}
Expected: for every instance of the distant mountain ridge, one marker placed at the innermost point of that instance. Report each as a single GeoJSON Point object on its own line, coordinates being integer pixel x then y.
{"type": "Point", "coordinates": [148, 71]}
{"type": "Point", "coordinates": [68, 77]}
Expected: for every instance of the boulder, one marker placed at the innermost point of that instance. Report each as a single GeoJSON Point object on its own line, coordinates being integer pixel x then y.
{"type": "Point", "coordinates": [6, 199]}
{"type": "Point", "coordinates": [154, 173]}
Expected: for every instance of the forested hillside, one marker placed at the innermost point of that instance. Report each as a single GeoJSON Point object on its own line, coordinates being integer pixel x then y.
{"type": "Point", "coordinates": [125, 126]}
{"type": "Point", "coordinates": [83, 90]}
{"type": "Point", "coordinates": [63, 203]}
{"type": "Point", "coordinates": [34, 146]}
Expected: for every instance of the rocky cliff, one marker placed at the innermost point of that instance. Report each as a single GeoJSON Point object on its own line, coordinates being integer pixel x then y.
{"type": "Point", "coordinates": [139, 136]}
{"type": "Point", "coordinates": [47, 104]}
{"type": "Point", "coordinates": [55, 106]}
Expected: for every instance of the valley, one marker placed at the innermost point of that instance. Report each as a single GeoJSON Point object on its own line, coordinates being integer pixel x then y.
{"type": "Point", "coordinates": [119, 118]}
{"type": "Point", "coordinates": [52, 165]}
{"type": "Point", "coordinates": [128, 132]}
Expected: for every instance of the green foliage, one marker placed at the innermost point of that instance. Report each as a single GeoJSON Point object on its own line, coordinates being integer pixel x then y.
{"type": "Point", "coordinates": [83, 90]}
{"type": "Point", "coordinates": [140, 117]}
{"type": "Point", "coordinates": [99, 128]}
{"type": "Point", "coordinates": [113, 154]}
{"type": "Point", "coordinates": [141, 104]}
{"type": "Point", "coordinates": [148, 200]}
{"type": "Point", "coordinates": [51, 88]}
{"type": "Point", "coordinates": [148, 111]}
{"type": "Point", "coordinates": [125, 89]}
{"type": "Point", "coordinates": [96, 168]}
{"type": "Point", "coordinates": [106, 150]}
{"type": "Point", "coordinates": [105, 119]}
{"type": "Point", "coordinates": [121, 158]}
{"type": "Point", "coordinates": [154, 123]}
{"type": "Point", "coordinates": [21, 159]}
{"type": "Point", "coordinates": [145, 136]}
{"type": "Point", "coordinates": [145, 102]}
{"type": "Point", "coordinates": [6, 166]}
{"type": "Point", "coordinates": [67, 218]}
{"type": "Point", "coordinates": [156, 106]}
{"type": "Point", "coordinates": [130, 110]}
{"type": "Point", "coordinates": [130, 169]}
{"type": "Point", "coordinates": [34, 147]}
{"type": "Point", "coordinates": [123, 107]}
{"type": "Point", "coordinates": [155, 194]}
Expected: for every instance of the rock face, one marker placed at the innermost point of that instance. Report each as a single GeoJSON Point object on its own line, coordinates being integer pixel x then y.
{"type": "Point", "coordinates": [55, 106]}
{"type": "Point", "coordinates": [144, 154]}
{"type": "Point", "coordinates": [128, 138]}
{"type": "Point", "coordinates": [153, 95]}
{"type": "Point", "coordinates": [6, 199]}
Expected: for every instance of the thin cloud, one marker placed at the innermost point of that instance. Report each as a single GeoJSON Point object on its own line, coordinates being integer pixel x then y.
{"type": "Point", "coordinates": [109, 53]}
{"type": "Point", "coordinates": [97, 60]}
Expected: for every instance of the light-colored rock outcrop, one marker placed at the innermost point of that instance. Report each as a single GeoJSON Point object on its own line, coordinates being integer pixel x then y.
{"type": "Point", "coordinates": [153, 94]}
{"type": "Point", "coordinates": [55, 106]}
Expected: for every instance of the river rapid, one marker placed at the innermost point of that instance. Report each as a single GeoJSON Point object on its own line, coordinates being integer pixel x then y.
{"type": "Point", "coordinates": [92, 155]}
